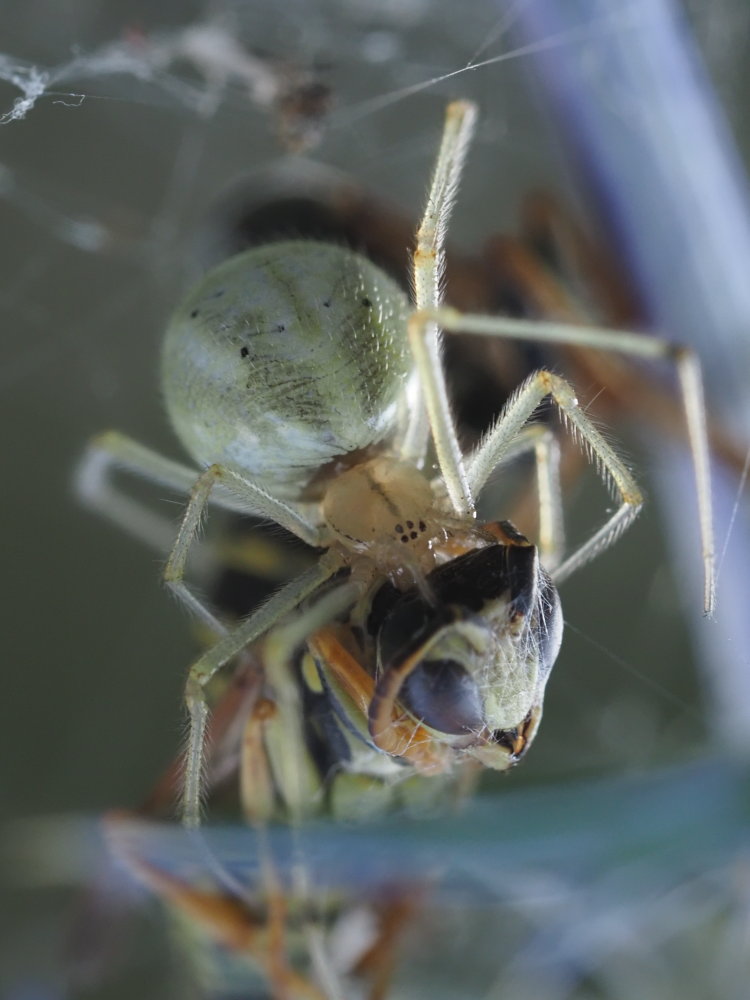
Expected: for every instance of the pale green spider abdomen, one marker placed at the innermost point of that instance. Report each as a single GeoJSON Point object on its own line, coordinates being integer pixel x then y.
{"type": "Point", "coordinates": [285, 358]}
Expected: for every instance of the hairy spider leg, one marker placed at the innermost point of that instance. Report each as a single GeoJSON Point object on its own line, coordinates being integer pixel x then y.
{"type": "Point", "coordinates": [541, 384]}
{"type": "Point", "coordinates": [277, 607]}
{"type": "Point", "coordinates": [542, 441]}
{"type": "Point", "coordinates": [113, 450]}
{"type": "Point", "coordinates": [427, 272]}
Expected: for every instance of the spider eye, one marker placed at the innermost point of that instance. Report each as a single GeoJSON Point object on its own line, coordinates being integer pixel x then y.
{"type": "Point", "coordinates": [444, 696]}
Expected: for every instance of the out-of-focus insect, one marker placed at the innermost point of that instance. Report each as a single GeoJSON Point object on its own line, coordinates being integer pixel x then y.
{"type": "Point", "coordinates": [308, 390]}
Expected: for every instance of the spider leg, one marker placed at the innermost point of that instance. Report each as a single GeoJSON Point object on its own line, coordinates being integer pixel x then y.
{"type": "Point", "coordinates": [543, 442]}
{"type": "Point", "coordinates": [225, 488]}
{"type": "Point", "coordinates": [113, 450]}
{"type": "Point", "coordinates": [625, 342]}
{"type": "Point", "coordinates": [427, 275]}
{"type": "Point", "coordinates": [216, 484]}
{"type": "Point", "coordinates": [517, 411]}
{"type": "Point", "coordinates": [93, 486]}
{"type": "Point", "coordinates": [261, 504]}
{"type": "Point", "coordinates": [278, 606]}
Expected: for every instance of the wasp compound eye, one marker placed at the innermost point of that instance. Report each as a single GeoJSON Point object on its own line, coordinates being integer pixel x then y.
{"type": "Point", "coordinates": [444, 696]}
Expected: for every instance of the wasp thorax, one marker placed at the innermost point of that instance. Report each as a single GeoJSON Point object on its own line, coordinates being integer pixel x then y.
{"type": "Point", "coordinates": [386, 508]}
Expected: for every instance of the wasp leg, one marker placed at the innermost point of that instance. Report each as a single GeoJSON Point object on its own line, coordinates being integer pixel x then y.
{"type": "Point", "coordinates": [394, 913]}
{"type": "Point", "coordinates": [232, 923]}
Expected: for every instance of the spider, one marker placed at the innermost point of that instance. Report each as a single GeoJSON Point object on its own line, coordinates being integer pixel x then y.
{"type": "Point", "coordinates": [308, 390]}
